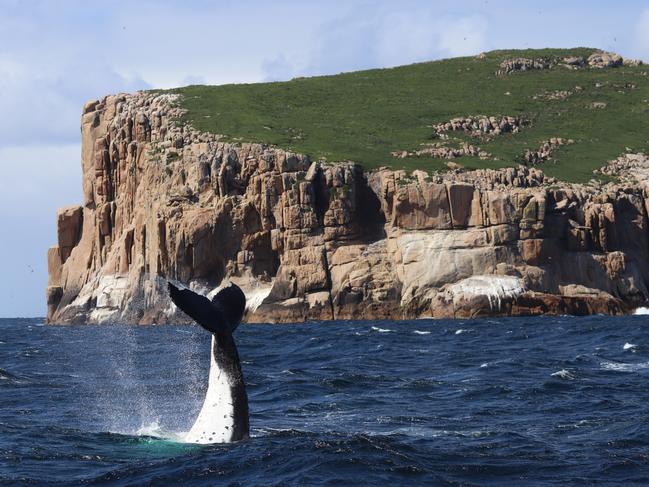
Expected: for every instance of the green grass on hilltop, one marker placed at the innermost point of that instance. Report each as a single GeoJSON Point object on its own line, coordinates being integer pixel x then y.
{"type": "Point", "coordinates": [363, 116]}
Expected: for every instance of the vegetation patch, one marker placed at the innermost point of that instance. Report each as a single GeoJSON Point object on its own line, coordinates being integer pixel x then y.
{"type": "Point", "coordinates": [366, 116]}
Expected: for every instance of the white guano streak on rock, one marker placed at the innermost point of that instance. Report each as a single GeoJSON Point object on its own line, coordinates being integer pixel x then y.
{"type": "Point", "coordinates": [434, 258]}
{"type": "Point", "coordinates": [495, 288]}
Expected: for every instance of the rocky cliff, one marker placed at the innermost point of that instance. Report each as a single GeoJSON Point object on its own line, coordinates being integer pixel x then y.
{"type": "Point", "coordinates": [308, 240]}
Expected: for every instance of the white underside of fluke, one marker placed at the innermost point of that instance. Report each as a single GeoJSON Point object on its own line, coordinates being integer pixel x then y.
{"type": "Point", "coordinates": [215, 422]}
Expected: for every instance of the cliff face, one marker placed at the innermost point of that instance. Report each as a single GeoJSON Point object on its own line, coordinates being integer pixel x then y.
{"type": "Point", "coordinates": [313, 241]}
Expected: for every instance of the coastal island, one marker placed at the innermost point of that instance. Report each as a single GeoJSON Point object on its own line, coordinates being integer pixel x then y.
{"type": "Point", "coordinates": [510, 183]}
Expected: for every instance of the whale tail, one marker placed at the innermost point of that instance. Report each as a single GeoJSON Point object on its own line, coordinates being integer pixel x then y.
{"type": "Point", "coordinates": [221, 315]}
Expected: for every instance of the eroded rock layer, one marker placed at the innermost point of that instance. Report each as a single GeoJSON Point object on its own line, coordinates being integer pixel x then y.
{"type": "Point", "coordinates": [314, 241]}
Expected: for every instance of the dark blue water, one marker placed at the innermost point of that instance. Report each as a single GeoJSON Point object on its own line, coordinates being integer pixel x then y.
{"type": "Point", "coordinates": [542, 401]}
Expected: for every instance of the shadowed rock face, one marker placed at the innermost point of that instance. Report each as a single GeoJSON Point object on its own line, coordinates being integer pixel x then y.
{"type": "Point", "coordinates": [315, 241]}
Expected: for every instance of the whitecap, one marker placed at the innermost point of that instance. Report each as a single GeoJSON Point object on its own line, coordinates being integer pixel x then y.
{"type": "Point", "coordinates": [628, 345]}
{"type": "Point", "coordinates": [460, 331]}
{"type": "Point", "coordinates": [418, 332]}
{"type": "Point", "coordinates": [578, 424]}
{"type": "Point", "coordinates": [641, 311]}
{"type": "Point", "coordinates": [624, 367]}
{"type": "Point", "coordinates": [486, 364]}
{"type": "Point", "coordinates": [563, 374]}
{"type": "Point", "coordinates": [381, 330]}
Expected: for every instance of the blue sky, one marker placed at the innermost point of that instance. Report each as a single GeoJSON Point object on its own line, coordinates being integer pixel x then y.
{"type": "Point", "coordinates": [55, 55]}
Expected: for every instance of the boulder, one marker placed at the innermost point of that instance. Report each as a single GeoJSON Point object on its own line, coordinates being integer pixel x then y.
{"type": "Point", "coordinates": [602, 59]}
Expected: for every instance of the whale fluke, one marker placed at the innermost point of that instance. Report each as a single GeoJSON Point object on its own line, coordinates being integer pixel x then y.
{"type": "Point", "coordinates": [224, 415]}
{"type": "Point", "coordinates": [221, 315]}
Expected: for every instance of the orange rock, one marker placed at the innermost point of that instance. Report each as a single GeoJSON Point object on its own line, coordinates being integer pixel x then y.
{"type": "Point", "coordinates": [314, 240]}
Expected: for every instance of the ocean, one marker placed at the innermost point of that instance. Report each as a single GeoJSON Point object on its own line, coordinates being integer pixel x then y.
{"type": "Point", "coordinates": [488, 402]}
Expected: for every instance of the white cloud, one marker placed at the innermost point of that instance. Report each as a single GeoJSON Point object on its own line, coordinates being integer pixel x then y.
{"type": "Point", "coordinates": [381, 35]}
{"type": "Point", "coordinates": [47, 74]}
{"type": "Point", "coordinates": [46, 109]}
{"type": "Point", "coordinates": [641, 45]}
{"type": "Point", "coordinates": [463, 36]}
{"type": "Point", "coordinates": [34, 182]}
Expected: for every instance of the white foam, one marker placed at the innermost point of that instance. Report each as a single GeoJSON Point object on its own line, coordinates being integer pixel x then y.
{"type": "Point", "coordinates": [460, 331]}
{"type": "Point", "coordinates": [641, 311]}
{"type": "Point", "coordinates": [418, 332]}
{"type": "Point", "coordinates": [564, 374]}
{"type": "Point", "coordinates": [381, 330]}
{"type": "Point", "coordinates": [149, 429]}
{"type": "Point", "coordinates": [628, 346]}
{"type": "Point", "coordinates": [154, 429]}
{"type": "Point", "coordinates": [624, 367]}
{"type": "Point", "coordinates": [486, 364]}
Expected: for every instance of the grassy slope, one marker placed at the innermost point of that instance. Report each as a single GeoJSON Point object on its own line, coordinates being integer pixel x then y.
{"type": "Point", "coordinates": [363, 116]}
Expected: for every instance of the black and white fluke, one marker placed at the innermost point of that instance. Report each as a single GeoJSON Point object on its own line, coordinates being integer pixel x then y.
{"type": "Point", "coordinates": [224, 415]}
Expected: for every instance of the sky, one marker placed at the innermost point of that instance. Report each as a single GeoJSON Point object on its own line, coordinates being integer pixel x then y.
{"type": "Point", "coordinates": [55, 55]}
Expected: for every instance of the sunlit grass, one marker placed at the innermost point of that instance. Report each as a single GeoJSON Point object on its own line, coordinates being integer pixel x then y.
{"type": "Point", "coordinates": [363, 116]}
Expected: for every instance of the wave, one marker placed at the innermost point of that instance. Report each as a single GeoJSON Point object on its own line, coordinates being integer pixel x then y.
{"type": "Point", "coordinates": [381, 330]}
{"type": "Point", "coordinates": [418, 332]}
{"type": "Point", "coordinates": [5, 375]}
{"type": "Point", "coordinates": [149, 429]}
{"type": "Point", "coordinates": [153, 429]}
{"type": "Point", "coordinates": [628, 346]}
{"type": "Point", "coordinates": [563, 374]}
{"type": "Point", "coordinates": [280, 432]}
{"type": "Point", "coordinates": [623, 367]}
